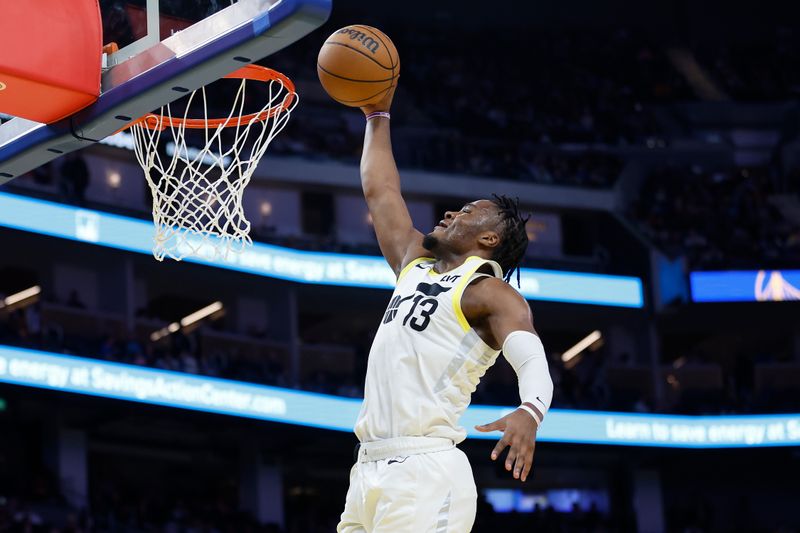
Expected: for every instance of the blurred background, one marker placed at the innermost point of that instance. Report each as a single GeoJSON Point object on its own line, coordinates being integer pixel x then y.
{"type": "Point", "coordinates": [655, 140]}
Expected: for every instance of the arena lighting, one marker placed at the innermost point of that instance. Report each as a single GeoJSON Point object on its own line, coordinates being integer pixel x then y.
{"type": "Point", "coordinates": [114, 179]}
{"type": "Point", "coordinates": [163, 332]}
{"type": "Point", "coordinates": [160, 334]}
{"type": "Point", "coordinates": [582, 345]}
{"type": "Point", "coordinates": [208, 310]}
{"type": "Point", "coordinates": [20, 296]}
{"type": "Point", "coordinates": [187, 321]}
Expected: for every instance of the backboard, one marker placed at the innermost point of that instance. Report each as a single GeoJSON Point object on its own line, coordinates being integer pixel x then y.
{"type": "Point", "coordinates": [166, 48]}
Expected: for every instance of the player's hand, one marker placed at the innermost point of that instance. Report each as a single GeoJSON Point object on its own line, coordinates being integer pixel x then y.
{"type": "Point", "coordinates": [384, 104]}
{"type": "Point", "coordinates": [519, 432]}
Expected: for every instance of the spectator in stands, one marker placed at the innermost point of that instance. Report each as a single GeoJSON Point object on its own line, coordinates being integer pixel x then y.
{"type": "Point", "coordinates": [717, 219]}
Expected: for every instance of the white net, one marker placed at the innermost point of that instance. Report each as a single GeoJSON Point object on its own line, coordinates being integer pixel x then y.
{"type": "Point", "coordinates": [197, 190]}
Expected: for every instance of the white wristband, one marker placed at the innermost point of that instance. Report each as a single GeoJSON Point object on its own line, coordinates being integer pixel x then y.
{"type": "Point", "coordinates": [533, 413]}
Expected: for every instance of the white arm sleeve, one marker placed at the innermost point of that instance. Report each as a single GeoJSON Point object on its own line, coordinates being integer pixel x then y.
{"type": "Point", "coordinates": [525, 352]}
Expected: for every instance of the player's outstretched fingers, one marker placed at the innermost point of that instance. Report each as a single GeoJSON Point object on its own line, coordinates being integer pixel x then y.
{"type": "Point", "coordinates": [384, 104]}
{"type": "Point", "coordinates": [526, 467]}
{"type": "Point", "coordinates": [499, 447]}
{"type": "Point", "coordinates": [521, 462]}
{"type": "Point", "coordinates": [529, 463]}
{"type": "Point", "coordinates": [497, 425]}
{"type": "Point", "coordinates": [513, 455]}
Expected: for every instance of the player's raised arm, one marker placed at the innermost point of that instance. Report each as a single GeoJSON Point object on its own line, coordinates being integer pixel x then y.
{"type": "Point", "coordinates": [355, 65]}
{"type": "Point", "coordinates": [399, 241]}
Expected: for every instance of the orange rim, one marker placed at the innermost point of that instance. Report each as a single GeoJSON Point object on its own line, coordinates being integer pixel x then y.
{"type": "Point", "coordinates": [154, 121]}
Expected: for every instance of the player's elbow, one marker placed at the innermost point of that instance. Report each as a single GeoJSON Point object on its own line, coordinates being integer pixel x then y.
{"type": "Point", "coordinates": [370, 181]}
{"type": "Point", "coordinates": [371, 193]}
{"type": "Point", "coordinates": [369, 169]}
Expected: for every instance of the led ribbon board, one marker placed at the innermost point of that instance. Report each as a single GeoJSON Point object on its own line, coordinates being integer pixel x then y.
{"type": "Point", "coordinates": [104, 229]}
{"type": "Point", "coordinates": [174, 389]}
{"type": "Point", "coordinates": [746, 286]}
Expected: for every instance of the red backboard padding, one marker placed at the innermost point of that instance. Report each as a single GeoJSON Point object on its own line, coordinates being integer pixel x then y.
{"type": "Point", "coordinates": [50, 54]}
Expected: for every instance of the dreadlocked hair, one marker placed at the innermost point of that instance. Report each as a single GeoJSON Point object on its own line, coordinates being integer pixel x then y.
{"type": "Point", "coordinates": [513, 236]}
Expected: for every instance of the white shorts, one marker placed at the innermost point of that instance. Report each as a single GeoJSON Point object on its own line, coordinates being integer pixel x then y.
{"type": "Point", "coordinates": [410, 484]}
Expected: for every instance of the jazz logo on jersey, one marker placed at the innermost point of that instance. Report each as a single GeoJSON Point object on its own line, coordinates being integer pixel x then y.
{"type": "Point", "coordinates": [424, 304]}
{"type": "Point", "coordinates": [431, 289]}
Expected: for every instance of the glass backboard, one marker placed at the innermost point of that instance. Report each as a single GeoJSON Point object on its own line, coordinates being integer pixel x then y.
{"type": "Point", "coordinates": [165, 49]}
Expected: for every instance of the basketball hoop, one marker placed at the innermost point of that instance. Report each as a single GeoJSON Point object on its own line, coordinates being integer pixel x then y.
{"type": "Point", "coordinates": [197, 191]}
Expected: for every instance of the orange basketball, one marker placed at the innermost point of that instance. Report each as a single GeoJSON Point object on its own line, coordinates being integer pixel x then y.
{"type": "Point", "coordinates": [357, 65]}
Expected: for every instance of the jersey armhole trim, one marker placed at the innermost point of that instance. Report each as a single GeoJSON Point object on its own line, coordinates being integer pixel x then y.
{"type": "Point", "coordinates": [411, 265]}
{"type": "Point", "coordinates": [459, 292]}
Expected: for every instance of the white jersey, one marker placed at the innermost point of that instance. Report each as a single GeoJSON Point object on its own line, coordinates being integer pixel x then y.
{"type": "Point", "coordinates": [426, 360]}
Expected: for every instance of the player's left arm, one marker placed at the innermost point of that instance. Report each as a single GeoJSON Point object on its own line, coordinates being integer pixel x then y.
{"type": "Point", "coordinates": [506, 322]}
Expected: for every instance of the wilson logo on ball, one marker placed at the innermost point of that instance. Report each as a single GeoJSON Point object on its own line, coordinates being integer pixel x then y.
{"type": "Point", "coordinates": [358, 65]}
{"type": "Point", "coordinates": [369, 43]}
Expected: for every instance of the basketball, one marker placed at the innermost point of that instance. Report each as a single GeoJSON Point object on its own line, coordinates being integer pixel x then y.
{"type": "Point", "coordinates": [357, 65]}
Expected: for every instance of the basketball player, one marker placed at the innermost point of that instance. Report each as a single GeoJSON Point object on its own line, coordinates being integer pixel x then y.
{"type": "Point", "coordinates": [448, 319]}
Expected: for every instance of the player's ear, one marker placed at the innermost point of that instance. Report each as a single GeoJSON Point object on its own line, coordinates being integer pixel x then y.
{"type": "Point", "coordinates": [489, 239]}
